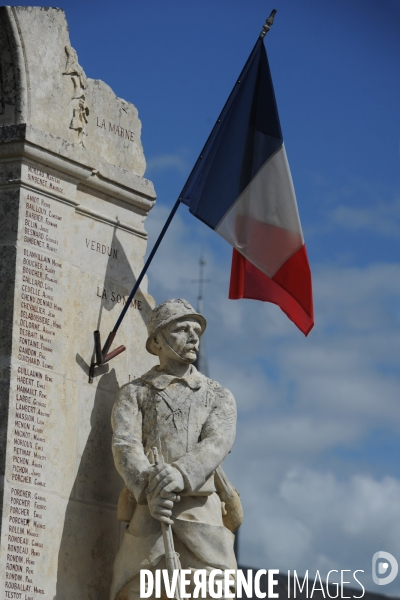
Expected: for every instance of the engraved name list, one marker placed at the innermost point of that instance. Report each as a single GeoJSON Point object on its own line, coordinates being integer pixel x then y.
{"type": "Point", "coordinates": [39, 328]}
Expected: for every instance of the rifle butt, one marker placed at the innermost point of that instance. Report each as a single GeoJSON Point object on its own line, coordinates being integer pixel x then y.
{"type": "Point", "coordinates": [171, 557]}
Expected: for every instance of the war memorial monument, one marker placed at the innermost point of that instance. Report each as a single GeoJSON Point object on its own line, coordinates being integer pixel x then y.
{"type": "Point", "coordinates": [72, 231]}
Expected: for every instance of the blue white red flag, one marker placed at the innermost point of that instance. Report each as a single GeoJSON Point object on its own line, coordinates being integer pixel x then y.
{"type": "Point", "coordinates": [242, 188]}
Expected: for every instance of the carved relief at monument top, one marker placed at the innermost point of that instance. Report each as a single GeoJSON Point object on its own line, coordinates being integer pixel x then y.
{"type": "Point", "coordinates": [54, 95]}
{"type": "Point", "coordinates": [80, 110]}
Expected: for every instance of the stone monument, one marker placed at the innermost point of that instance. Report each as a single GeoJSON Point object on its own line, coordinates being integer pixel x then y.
{"type": "Point", "coordinates": [173, 427]}
{"type": "Point", "coordinates": [72, 210]}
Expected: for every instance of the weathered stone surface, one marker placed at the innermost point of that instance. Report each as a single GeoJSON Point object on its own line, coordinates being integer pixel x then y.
{"type": "Point", "coordinates": [72, 240]}
{"type": "Point", "coordinates": [45, 86]}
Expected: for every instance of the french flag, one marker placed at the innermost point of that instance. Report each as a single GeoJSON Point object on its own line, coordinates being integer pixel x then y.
{"type": "Point", "coordinates": [242, 188]}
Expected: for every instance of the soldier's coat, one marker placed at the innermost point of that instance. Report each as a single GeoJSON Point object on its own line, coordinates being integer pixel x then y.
{"type": "Point", "coordinates": [192, 422]}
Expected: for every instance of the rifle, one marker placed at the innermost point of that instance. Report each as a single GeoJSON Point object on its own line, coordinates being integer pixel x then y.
{"type": "Point", "coordinates": [171, 557]}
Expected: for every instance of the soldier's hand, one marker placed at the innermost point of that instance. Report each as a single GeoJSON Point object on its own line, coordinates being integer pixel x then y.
{"type": "Point", "coordinates": [164, 480]}
{"type": "Point", "coordinates": [160, 508]}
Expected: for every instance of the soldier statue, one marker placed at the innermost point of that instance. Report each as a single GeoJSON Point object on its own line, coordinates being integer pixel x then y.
{"type": "Point", "coordinates": [191, 421]}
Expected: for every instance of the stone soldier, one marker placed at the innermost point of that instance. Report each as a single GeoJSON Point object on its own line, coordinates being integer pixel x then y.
{"type": "Point", "coordinates": [191, 420]}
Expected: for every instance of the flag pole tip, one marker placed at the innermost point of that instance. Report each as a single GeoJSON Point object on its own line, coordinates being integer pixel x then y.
{"type": "Point", "coordinates": [268, 24]}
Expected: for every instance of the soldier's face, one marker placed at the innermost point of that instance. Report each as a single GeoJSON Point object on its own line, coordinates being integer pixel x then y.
{"type": "Point", "coordinates": [183, 337]}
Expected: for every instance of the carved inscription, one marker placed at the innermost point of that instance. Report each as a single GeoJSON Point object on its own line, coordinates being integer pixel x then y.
{"type": "Point", "coordinates": [37, 349]}
{"type": "Point", "coordinates": [23, 542]}
{"type": "Point", "coordinates": [40, 327]}
{"type": "Point", "coordinates": [116, 298]}
{"type": "Point", "coordinates": [41, 270]}
{"type": "Point", "coordinates": [45, 180]}
{"type": "Point", "coordinates": [115, 129]}
{"type": "Point", "coordinates": [101, 248]}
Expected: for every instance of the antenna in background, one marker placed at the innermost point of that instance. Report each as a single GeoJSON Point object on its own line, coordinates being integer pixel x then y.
{"type": "Point", "coordinates": [201, 363]}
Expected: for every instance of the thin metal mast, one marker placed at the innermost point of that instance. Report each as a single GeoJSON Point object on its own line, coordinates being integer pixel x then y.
{"type": "Point", "coordinates": [201, 363]}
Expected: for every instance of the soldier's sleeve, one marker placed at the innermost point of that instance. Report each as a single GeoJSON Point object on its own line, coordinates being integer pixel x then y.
{"type": "Point", "coordinates": [129, 457]}
{"type": "Point", "coordinates": [217, 438]}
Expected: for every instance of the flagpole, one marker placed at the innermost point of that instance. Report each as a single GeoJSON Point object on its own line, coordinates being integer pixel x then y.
{"type": "Point", "coordinates": [102, 355]}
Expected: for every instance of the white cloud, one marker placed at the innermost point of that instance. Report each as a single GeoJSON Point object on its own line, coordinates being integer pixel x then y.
{"type": "Point", "coordinates": [293, 437]}
{"type": "Point", "coordinates": [165, 162]}
{"type": "Point", "coordinates": [311, 520]}
{"type": "Point", "coordinates": [357, 206]}
{"type": "Point", "coordinates": [382, 218]}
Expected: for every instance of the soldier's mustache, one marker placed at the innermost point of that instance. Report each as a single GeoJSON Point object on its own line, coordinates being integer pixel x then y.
{"type": "Point", "coordinates": [191, 345]}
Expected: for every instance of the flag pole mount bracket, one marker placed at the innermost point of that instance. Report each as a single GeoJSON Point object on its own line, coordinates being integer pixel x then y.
{"type": "Point", "coordinates": [268, 24]}
{"type": "Point", "coordinates": [102, 356]}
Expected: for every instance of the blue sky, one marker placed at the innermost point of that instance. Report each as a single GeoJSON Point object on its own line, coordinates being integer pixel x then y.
{"type": "Point", "coordinates": [316, 456]}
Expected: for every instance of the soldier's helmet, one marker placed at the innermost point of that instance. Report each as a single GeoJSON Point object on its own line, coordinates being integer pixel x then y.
{"type": "Point", "coordinates": [167, 312]}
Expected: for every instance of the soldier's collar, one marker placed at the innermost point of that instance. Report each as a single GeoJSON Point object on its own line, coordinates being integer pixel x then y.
{"type": "Point", "coordinates": [161, 380]}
